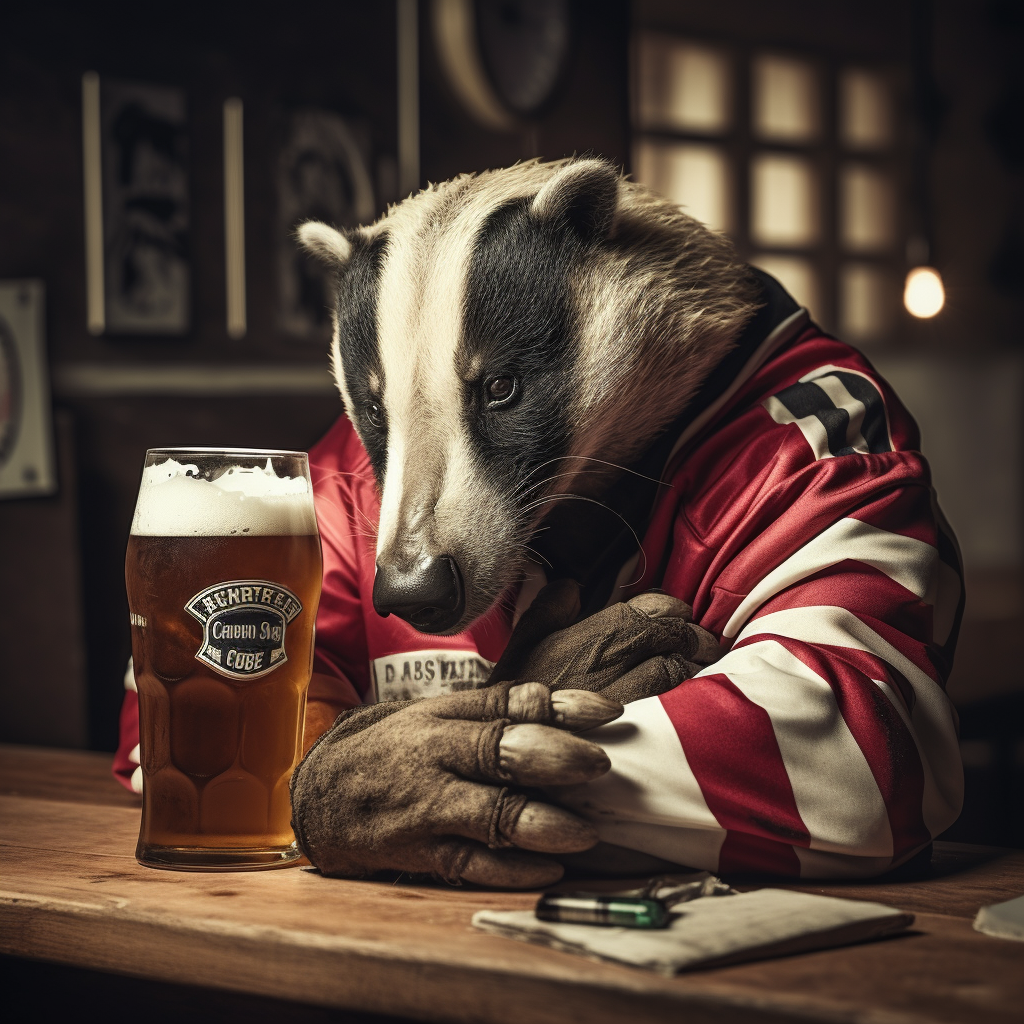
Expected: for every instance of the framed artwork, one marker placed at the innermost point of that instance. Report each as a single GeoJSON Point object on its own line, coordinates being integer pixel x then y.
{"type": "Point", "coordinates": [26, 423]}
{"type": "Point", "coordinates": [137, 207]}
{"type": "Point", "coordinates": [322, 174]}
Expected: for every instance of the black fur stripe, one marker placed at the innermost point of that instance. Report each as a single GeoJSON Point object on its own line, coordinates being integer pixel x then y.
{"type": "Point", "coordinates": [518, 319]}
{"type": "Point", "coordinates": [356, 304]}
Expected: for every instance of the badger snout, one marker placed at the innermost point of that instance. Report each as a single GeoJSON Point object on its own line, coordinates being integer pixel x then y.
{"type": "Point", "coordinates": [429, 594]}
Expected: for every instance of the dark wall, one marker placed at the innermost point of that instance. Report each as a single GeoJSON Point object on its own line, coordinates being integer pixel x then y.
{"type": "Point", "coordinates": [340, 55]}
{"type": "Point", "coordinates": [589, 115]}
{"type": "Point", "coordinates": [309, 52]}
{"type": "Point", "coordinates": [870, 29]}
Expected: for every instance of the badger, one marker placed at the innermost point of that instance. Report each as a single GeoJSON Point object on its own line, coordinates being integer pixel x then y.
{"type": "Point", "coordinates": [508, 346]}
{"type": "Point", "coordinates": [555, 372]}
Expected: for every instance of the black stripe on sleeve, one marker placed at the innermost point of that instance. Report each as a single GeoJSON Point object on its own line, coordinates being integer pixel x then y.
{"type": "Point", "coordinates": [807, 399]}
{"type": "Point", "coordinates": [875, 428]}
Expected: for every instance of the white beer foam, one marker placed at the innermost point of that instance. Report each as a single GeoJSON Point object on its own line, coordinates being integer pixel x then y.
{"type": "Point", "coordinates": [243, 501]}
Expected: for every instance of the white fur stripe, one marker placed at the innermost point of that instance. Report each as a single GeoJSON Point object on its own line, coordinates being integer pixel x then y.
{"type": "Point", "coordinates": [391, 499]}
{"type": "Point", "coordinates": [650, 779]}
{"type": "Point", "coordinates": [932, 724]}
{"type": "Point", "coordinates": [419, 325]}
{"type": "Point", "coordinates": [835, 792]}
{"type": "Point", "coordinates": [911, 563]}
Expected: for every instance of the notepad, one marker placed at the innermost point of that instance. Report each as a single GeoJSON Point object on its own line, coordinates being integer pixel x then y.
{"type": "Point", "coordinates": [713, 931]}
{"type": "Point", "coordinates": [1002, 920]}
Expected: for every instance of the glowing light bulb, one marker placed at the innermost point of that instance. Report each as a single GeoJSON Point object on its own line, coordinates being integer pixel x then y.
{"type": "Point", "coordinates": [923, 294]}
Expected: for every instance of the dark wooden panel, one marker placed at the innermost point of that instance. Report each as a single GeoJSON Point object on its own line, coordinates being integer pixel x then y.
{"type": "Point", "coordinates": [42, 665]}
{"type": "Point", "coordinates": [337, 54]}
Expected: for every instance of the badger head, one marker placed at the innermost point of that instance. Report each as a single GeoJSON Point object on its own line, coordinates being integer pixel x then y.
{"type": "Point", "coordinates": [503, 341]}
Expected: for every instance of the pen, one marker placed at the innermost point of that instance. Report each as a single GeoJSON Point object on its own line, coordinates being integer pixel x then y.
{"type": "Point", "coordinates": [611, 911]}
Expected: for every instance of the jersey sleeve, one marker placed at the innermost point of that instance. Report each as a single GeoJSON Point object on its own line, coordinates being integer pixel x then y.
{"type": "Point", "coordinates": [343, 493]}
{"type": "Point", "coordinates": [822, 744]}
{"type": "Point", "coordinates": [126, 766]}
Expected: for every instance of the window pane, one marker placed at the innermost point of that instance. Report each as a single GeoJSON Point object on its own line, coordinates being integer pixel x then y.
{"type": "Point", "coordinates": [865, 114]}
{"type": "Point", "coordinates": [865, 302]}
{"type": "Point", "coordinates": [694, 175]}
{"type": "Point", "coordinates": [866, 209]}
{"type": "Point", "coordinates": [796, 274]}
{"type": "Point", "coordinates": [784, 201]}
{"type": "Point", "coordinates": [682, 85]}
{"type": "Point", "coordinates": [785, 99]}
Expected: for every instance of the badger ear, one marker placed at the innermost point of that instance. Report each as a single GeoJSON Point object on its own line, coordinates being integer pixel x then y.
{"type": "Point", "coordinates": [584, 194]}
{"type": "Point", "coordinates": [324, 242]}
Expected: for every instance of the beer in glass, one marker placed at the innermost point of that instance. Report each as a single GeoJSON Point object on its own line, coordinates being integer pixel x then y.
{"type": "Point", "coordinates": [223, 574]}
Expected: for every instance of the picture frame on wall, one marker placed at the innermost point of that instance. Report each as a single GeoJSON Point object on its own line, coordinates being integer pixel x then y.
{"type": "Point", "coordinates": [27, 466]}
{"type": "Point", "coordinates": [136, 153]}
{"type": "Point", "coordinates": [323, 173]}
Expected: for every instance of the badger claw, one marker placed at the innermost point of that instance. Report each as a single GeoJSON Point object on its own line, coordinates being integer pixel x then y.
{"type": "Point", "coordinates": [574, 710]}
{"type": "Point", "coordinates": [580, 710]}
{"type": "Point", "coordinates": [537, 755]}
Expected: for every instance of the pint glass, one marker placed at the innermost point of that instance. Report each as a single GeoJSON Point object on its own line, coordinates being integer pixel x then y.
{"type": "Point", "coordinates": [223, 575]}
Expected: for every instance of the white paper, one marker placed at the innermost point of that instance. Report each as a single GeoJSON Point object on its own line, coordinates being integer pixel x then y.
{"type": "Point", "coordinates": [1002, 920]}
{"type": "Point", "coordinates": [713, 929]}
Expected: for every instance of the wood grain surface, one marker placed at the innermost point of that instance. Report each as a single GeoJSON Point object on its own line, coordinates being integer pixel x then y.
{"type": "Point", "coordinates": [73, 893]}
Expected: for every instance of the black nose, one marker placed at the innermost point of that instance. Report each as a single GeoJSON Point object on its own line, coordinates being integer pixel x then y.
{"type": "Point", "coordinates": [430, 596]}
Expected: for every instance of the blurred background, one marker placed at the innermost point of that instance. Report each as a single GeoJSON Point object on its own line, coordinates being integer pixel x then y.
{"type": "Point", "coordinates": [155, 160]}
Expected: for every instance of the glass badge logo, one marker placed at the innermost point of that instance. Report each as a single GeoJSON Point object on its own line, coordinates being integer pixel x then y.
{"type": "Point", "coordinates": [244, 626]}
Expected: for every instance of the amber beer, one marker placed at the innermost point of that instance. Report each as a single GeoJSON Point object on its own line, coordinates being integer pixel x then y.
{"type": "Point", "coordinates": [223, 575]}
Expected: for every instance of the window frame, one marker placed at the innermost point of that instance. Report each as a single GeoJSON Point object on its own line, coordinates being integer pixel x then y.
{"type": "Point", "coordinates": [828, 154]}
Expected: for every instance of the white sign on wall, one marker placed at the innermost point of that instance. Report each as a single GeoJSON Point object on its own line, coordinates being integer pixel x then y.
{"type": "Point", "coordinates": [26, 423]}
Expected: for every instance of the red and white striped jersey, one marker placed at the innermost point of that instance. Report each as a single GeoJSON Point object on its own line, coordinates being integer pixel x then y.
{"type": "Point", "coordinates": [802, 526]}
{"type": "Point", "coordinates": [800, 523]}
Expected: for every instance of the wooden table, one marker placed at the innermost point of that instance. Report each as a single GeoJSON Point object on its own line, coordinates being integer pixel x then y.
{"type": "Point", "coordinates": [72, 893]}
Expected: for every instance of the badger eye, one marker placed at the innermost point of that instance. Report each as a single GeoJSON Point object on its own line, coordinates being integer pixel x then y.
{"type": "Point", "coordinates": [501, 390]}
{"type": "Point", "coordinates": [375, 414]}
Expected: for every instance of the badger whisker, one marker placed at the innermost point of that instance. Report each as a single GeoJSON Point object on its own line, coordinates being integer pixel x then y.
{"type": "Point", "coordinates": [604, 462]}
{"type": "Point", "coordinates": [526, 488]}
{"type": "Point", "coordinates": [593, 501]}
{"type": "Point", "coordinates": [534, 551]}
{"type": "Point", "coordinates": [359, 476]}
